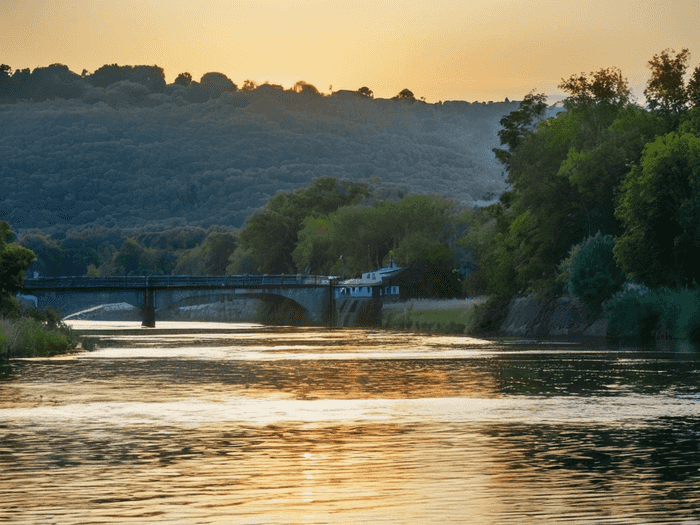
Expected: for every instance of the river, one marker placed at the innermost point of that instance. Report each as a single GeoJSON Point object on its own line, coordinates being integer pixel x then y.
{"type": "Point", "coordinates": [209, 423]}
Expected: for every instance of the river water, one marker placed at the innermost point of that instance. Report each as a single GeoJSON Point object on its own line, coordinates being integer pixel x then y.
{"type": "Point", "coordinates": [233, 423]}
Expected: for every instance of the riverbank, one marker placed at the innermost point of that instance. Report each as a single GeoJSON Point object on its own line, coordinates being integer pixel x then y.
{"type": "Point", "coordinates": [28, 337]}
{"type": "Point", "coordinates": [526, 316]}
{"type": "Point", "coordinates": [452, 316]}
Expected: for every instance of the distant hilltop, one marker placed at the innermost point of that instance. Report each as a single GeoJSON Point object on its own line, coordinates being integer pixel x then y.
{"type": "Point", "coordinates": [120, 147]}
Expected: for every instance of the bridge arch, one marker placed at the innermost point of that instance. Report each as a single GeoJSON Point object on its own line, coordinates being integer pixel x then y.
{"type": "Point", "coordinates": [267, 308]}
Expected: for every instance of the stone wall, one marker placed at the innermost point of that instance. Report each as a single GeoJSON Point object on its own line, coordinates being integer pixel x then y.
{"type": "Point", "coordinates": [563, 316]}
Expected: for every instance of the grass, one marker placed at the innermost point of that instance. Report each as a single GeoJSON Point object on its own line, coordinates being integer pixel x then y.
{"type": "Point", "coordinates": [30, 337]}
{"type": "Point", "coordinates": [453, 316]}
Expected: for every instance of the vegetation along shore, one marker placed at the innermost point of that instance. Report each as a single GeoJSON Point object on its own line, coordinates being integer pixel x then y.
{"type": "Point", "coordinates": [596, 217]}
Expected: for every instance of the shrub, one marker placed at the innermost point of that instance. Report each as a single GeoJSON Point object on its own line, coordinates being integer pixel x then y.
{"type": "Point", "coordinates": [593, 275]}
{"type": "Point", "coordinates": [29, 337]}
{"type": "Point", "coordinates": [639, 313]}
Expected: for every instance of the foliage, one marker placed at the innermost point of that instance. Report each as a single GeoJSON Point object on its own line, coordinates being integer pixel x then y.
{"type": "Point", "coordinates": [606, 86]}
{"type": "Point", "coordinates": [271, 235]}
{"type": "Point", "coordinates": [14, 261]}
{"type": "Point", "coordinates": [593, 274]}
{"type": "Point", "coordinates": [124, 156]}
{"type": "Point", "coordinates": [640, 313]}
{"type": "Point", "coordinates": [29, 337]}
{"type": "Point", "coordinates": [665, 89]}
{"type": "Point", "coordinates": [209, 258]}
{"type": "Point", "coordinates": [519, 124]}
{"type": "Point", "coordinates": [414, 231]}
{"type": "Point", "coordinates": [564, 174]}
{"type": "Point", "coordinates": [659, 205]}
{"type": "Point", "coordinates": [365, 92]}
{"type": "Point", "coordinates": [406, 95]}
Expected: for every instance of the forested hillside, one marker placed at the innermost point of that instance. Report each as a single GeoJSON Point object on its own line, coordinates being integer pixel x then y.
{"type": "Point", "coordinates": [120, 148]}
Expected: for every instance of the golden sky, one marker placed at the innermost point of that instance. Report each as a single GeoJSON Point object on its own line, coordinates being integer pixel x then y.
{"type": "Point", "coordinates": [439, 49]}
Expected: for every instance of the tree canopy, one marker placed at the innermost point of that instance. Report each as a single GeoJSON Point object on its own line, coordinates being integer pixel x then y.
{"type": "Point", "coordinates": [14, 261]}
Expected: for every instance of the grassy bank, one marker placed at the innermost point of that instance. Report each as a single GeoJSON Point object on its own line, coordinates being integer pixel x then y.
{"type": "Point", "coordinates": [31, 337]}
{"type": "Point", "coordinates": [452, 316]}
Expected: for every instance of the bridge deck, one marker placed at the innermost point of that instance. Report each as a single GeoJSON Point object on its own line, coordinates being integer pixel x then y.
{"type": "Point", "coordinates": [174, 282]}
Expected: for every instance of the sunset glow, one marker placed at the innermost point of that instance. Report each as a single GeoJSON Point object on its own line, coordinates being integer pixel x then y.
{"type": "Point", "coordinates": [440, 50]}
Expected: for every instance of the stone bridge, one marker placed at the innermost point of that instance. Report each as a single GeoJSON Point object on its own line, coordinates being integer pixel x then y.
{"type": "Point", "coordinates": [75, 294]}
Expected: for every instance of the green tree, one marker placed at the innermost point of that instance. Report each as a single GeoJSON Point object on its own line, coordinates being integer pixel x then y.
{"type": "Point", "coordinates": [209, 258]}
{"type": "Point", "coordinates": [562, 171]}
{"type": "Point", "coordinates": [593, 273]}
{"type": "Point", "coordinates": [597, 172]}
{"type": "Point", "coordinates": [659, 205]}
{"type": "Point", "coordinates": [271, 235]}
{"type": "Point", "coordinates": [693, 88]}
{"type": "Point", "coordinates": [605, 86]}
{"type": "Point", "coordinates": [416, 229]}
{"type": "Point", "coordinates": [520, 123]}
{"type": "Point", "coordinates": [14, 261]}
{"type": "Point", "coordinates": [665, 89]}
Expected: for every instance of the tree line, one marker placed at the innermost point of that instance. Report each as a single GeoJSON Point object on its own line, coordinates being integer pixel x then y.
{"type": "Point", "coordinates": [604, 198]}
{"type": "Point", "coordinates": [300, 231]}
{"type": "Point", "coordinates": [58, 81]}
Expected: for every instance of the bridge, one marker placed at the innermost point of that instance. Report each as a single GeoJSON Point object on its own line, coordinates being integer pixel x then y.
{"type": "Point", "coordinates": [73, 294]}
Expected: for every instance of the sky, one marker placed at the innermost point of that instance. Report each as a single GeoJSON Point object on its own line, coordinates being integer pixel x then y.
{"type": "Point", "coordinates": [439, 49]}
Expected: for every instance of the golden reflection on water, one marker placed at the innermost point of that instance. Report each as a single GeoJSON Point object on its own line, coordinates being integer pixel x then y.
{"type": "Point", "coordinates": [249, 424]}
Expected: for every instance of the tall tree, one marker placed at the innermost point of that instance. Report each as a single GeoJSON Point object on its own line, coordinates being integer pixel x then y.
{"type": "Point", "coordinates": [605, 86]}
{"type": "Point", "coordinates": [659, 205]}
{"type": "Point", "coordinates": [519, 124]}
{"type": "Point", "coordinates": [665, 89]}
{"type": "Point", "coordinates": [14, 261]}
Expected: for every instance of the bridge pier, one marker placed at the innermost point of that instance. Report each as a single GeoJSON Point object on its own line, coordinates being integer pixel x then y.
{"type": "Point", "coordinates": [149, 308]}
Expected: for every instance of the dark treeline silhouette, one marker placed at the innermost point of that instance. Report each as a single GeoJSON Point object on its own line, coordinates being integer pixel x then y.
{"type": "Point", "coordinates": [121, 148]}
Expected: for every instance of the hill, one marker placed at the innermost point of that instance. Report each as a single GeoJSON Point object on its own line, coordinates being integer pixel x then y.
{"type": "Point", "coordinates": [130, 155]}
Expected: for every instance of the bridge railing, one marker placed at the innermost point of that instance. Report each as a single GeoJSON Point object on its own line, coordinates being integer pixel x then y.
{"type": "Point", "coordinates": [167, 281]}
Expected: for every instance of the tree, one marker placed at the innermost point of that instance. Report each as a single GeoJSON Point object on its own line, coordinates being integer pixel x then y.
{"type": "Point", "coordinates": [14, 261]}
{"type": "Point", "coordinates": [270, 236]}
{"type": "Point", "coordinates": [405, 94]}
{"type": "Point", "coordinates": [209, 258]}
{"type": "Point", "coordinates": [659, 205]}
{"type": "Point", "coordinates": [416, 229]}
{"type": "Point", "coordinates": [665, 89]}
{"type": "Point", "coordinates": [593, 274]}
{"type": "Point", "coordinates": [214, 84]}
{"type": "Point", "coordinates": [519, 123]}
{"type": "Point", "coordinates": [249, 85]}
{"type": "Point", "coordinates": [603, 86]}
{"type": "Point", "coordinates": [365, 92]}
{"type": "Point", "coordinates": [304, 88]}
{"type": "Point", "coordinates": [693, 88]}
{"type": "Point", "coordinates": [183, 79]}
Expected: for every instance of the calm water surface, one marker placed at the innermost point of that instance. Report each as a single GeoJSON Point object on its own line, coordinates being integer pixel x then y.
{"type": "Point", "coordinates": [215, 423]}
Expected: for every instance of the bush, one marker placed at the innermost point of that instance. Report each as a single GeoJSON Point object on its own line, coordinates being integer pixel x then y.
{"type": "Point", "coordinates": [593, 275]}
{"type": "Point", "coordinates": [37, 334]}
{"type": "Point", "coordinates": [639, 313]}
{"type": "Point", "coordinates": [27, 337]}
